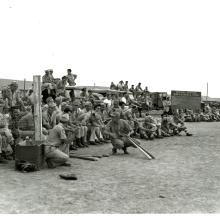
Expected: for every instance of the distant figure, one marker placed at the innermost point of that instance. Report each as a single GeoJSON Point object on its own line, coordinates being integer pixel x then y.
{"type": "Point", "coordinates": [49, 85]}
{"type": "Point", "coordinates": [48, 77]}
{"type": "Point", "coordinates": [84, 95]}
{"type": "Point", "coordinates": [120, 85]}
{"type": "Point", "coordinates": [126, 86]}
{"type": "Point", "coordinates": [138, 88]}
{"type": "Point", "coordinates": [71, 77]}
{"type": "Point", "coordinates": [113, 86]}
{"type": "Point", "coordinates": [132, 89]}
{"type": "Point", "coordinates": [146, 90]}
{"type": "Point", "coordinates": [61, 86]}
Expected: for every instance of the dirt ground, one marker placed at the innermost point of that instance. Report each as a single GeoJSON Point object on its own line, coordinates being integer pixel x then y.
{"type": "Point", "coordinates": [184, 178]}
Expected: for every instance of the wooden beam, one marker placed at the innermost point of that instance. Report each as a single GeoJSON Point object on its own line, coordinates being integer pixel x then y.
{"type": "Point", "coordinates": [37, 108]}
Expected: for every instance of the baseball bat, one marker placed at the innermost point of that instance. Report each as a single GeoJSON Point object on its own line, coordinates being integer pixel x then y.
{"type": "Point", "coordinates": [137, 145]}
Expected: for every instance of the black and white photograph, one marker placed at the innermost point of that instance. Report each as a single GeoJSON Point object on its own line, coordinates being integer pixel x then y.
{"type": "Point", "coordinates": [109, 107]}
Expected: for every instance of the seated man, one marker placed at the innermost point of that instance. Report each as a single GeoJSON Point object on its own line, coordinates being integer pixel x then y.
{"type": "Point", "coordinates": [148, 129]}
{"type": "Point", "coordinates": [48, 80]}
{"type": "Point", "coordinates": [26, 125]}
{"type": "Point", "coordinates": [97, 126]}
{"type": "Point", "coordinates": [165, 129]}
{"type": "Point", "coordinates": [189, 116]}
{"type": "Point", "coordinates": [203, 117]}
{"type": "Point", "coordinates": [113, 86]}
{"type": "Point", "coordinates": [133, 122]}
{"type": "Point", "coordinates": [119, 131]}
{"type": "Point", "coordinates": [61, 85]}
{"type": "Point", "coordinates": [177, 125]}
{"type": "Point", "coordinates": [57, 145]}
{"type": "Point", "coordinates": [78, 120]}
{"type": "Point", "coordinates": [6, 140]}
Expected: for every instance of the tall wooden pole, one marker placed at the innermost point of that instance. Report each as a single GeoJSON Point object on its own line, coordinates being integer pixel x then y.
{"type": "Point", "coordinates": [207, 91]}
{"type": "Point", "coordinates": [37, 108]}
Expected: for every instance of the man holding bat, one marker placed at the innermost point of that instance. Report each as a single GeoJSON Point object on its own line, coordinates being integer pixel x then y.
{"type": "Point", "coordinates": [119, 131]}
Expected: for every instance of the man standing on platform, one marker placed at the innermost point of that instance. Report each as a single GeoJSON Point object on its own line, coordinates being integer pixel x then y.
{"type": "Point", "coordinates": [71, 77]}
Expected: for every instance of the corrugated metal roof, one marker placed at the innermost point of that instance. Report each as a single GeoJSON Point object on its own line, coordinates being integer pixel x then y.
{"type": "Point", "coordinates": [210, 99]}
{"type": "Point", "coordinates": [6, 82]}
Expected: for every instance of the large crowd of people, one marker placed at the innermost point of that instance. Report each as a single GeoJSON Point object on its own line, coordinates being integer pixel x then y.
{"type": "Point", "coordinates": [71, 122]}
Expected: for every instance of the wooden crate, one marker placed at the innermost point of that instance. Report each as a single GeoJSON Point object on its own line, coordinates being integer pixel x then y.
{"type": "Point", "coordinates": [31, 154]}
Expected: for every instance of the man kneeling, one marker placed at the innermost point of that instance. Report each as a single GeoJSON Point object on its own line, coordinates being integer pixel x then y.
{"type": "Point", "coordinates": [119, 131]}
{"type": "Point", "coordinates": [57, 147]}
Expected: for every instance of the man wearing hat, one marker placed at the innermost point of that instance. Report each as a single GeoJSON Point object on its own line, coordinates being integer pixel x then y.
{"type": "Point", "coordinates": [115, 108]}
{"type": "Point", "coordinates": [6, 139]}
{"type": "Point", "coordinates": [48, 85]}
{"type": "Point", "coordinates": [132, 121]}
{"type": "Point", "coordinates": [78, 119]}
{"type": "Point", "coordinates": [178, 125]}
{"type": "Point", "coordinates": [57, 144]}
{"type": "Point", "coordinates": [15, 104]}
{"type": "Point", "coordinates": [48, 79]}
{"type": "Point", "coordinates": [148, 128]}
{"type": "Point", "coordinates": [14, 96]}
{"type": "Point", "coordinates": [118, 130]}
{"type": "Point", "coordinates": [97, 126]}
{"type": "Point", "coordinates": [165, 129]}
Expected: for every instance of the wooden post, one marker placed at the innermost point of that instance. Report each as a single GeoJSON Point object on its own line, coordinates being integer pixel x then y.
{"type": "Point", "coordinates": [37, 108]}
{"type": "Point", "coordinates": [24, 87]}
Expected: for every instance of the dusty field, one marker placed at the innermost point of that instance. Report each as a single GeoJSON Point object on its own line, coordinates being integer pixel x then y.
{"type": "Point", "coordinates": [184, 178]}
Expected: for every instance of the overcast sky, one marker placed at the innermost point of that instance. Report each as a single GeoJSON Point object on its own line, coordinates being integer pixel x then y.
{"type": "Point", "coordinates": [166, 45]}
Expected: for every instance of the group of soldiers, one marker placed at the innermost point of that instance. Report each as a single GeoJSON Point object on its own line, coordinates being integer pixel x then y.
{"type": "Point", "coordinates": [71, 123]}
{"type": "Point", "coordinates": [123, 86]}
{"type": "Point", "coordinates": [208, 114]}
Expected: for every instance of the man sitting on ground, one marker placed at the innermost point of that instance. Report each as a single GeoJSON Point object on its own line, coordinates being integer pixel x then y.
{"type": "Point", "coordinates": [177, 125]}
{"type": "Point", "coordinates": [148, 129]}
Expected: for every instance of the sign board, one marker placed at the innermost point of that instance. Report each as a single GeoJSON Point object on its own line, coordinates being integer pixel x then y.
{"type": "Point", "coordinates": [186, 100]}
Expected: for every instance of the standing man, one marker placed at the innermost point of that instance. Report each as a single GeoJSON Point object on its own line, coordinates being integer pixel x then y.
{"type": "Point", "coordinates": [15, 104]}
{"type": "Point", "coordinates": [126, 86]}
{"type": "Point", "coordinates": [138, 88]}
{"type": "Point", "coordinates": [71, 77]}
{"type": "Point", "coordinates": [132, 89]}
{"type": "Point", "coordinates": [113, 86]}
